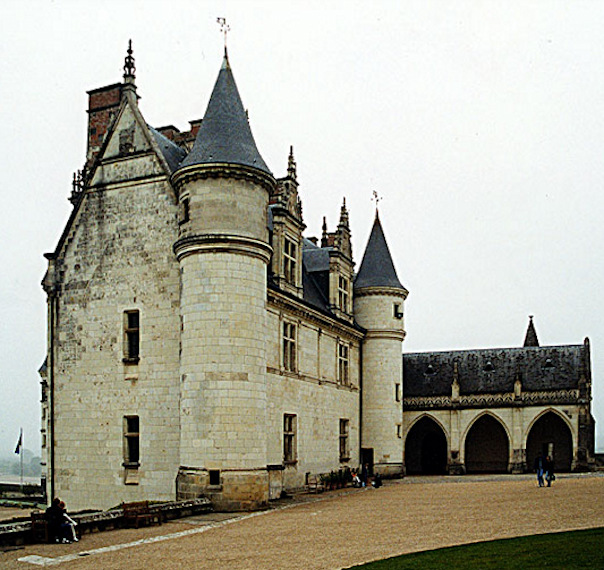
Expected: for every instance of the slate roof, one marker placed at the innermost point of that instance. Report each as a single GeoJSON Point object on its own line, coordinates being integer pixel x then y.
{"type": "Point", "coordinates": [493, 370]}
{"type": "Point", "coordinates": [171, 151]}
{"type": "Point", "coordinates": [315, 274]}
{"type": "Point", "coordinates": [377, 268]}
{"type": "Point", "coordinates": [225, 135]}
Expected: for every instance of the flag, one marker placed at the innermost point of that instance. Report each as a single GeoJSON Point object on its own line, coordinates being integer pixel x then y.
{"type": "Point", "coordinates": [19, 443]}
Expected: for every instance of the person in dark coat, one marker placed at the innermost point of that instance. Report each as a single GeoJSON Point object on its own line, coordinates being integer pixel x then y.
{"type": "Point", "coordinates": [549, 470]}
{"type": "Point", "coordinates": [539, 464]}
{"type": "Point", "coordinates": [54, 520]}
{"type": "Point", "coordinates": [365, 475]}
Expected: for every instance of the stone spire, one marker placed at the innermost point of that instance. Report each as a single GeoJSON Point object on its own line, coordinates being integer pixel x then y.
{"type": "Point", "coordinates": [324, 236]}
{"type": "Point", "coordinates": [531, 334]}
{"type": "Point", "coordinates": [291, 164]}
{"type": "Point", "coordinates": [377, 268]}
{"type": "Point", "coordinates": [225, 136]}
{"type": "Point", "coordinates": [344, 216]}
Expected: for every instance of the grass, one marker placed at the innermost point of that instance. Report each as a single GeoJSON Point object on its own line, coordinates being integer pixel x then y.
{"type": "Point", "coordinates": [567, 550]}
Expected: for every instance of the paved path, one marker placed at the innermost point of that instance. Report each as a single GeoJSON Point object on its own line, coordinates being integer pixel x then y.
{"type": "Point", "coordinates": [337, 530]}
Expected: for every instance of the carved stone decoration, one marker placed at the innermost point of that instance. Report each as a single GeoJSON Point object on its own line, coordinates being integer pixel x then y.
{"type": "Point", "coordinates": [127, 140]}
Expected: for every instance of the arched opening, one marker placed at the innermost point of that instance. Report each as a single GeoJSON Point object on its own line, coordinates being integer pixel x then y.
{"type": "Point", "coordinates": [426, 449]}
{"type": "Point", "coordinates": [487, 447]}
{"type": "Point", "coordinates": [550, 435]}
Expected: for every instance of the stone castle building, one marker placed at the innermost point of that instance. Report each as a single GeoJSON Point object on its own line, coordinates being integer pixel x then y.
{"type": "Point", "coordinates": [198, 344]}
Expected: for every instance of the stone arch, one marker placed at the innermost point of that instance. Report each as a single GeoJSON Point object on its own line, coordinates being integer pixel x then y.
{"type": "Point", "coordinates": [550, 434]}
{"type": "Point", "coordinates": [487, 445]}
{"type": "Point", "coordinates": [426, 448]}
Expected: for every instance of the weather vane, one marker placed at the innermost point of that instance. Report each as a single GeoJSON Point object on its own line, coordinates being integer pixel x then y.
{"type": "Point", "coordinates": [376, 198]}
{"type": "Point", "coordinates": [224, 28]}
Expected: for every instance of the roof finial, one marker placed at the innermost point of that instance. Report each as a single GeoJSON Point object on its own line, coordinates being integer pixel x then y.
{"type": "Point", "coordinates": [291, 163]}
{"type": "Point", "coordinates": [376, 198]}
{"type": "Point", "coordinates": [224, 29]}
{"type": "Point", "coordinates": [343, 214]}
{"type": "Point", "coordinates": [324, 237]}
{"type": "Point", "coordinates": [129, 67]}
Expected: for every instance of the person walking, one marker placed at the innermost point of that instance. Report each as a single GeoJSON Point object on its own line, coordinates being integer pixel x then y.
{"type": "Point", "coordinates": [549, 470]}
{"type": "Point", "coordinates": [539, 469]}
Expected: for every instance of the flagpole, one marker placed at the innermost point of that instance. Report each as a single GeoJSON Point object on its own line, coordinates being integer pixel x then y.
{"type": "Point", "coordinates": [21, 456]}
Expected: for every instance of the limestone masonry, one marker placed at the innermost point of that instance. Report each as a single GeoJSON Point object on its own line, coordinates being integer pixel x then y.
{"type": "Point", "coordinates": [199, 345]}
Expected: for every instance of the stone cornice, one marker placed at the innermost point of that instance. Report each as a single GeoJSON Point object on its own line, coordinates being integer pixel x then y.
{"type": "Point", "coordinates": [222, 243]}
{"type": "Point", "coordinates": [384, 291]}
{"type": "Point", "coordinates": [222, 170]}
{"type": "Point", "coordinates": [508, 399]}
{"type": "Point", "coordinates": [390, 334]}
{"type": "Point", "coordinates": [301, 310]}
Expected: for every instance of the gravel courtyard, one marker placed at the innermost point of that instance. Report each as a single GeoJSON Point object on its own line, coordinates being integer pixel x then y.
{"type": "Point", "coordinates": [341, 528]}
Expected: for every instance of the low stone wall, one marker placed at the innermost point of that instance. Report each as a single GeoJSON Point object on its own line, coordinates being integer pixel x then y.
{"type": "Point", "coordinates": [18, 530]}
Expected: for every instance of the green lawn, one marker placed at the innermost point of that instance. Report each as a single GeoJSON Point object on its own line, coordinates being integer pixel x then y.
{"type": "Point", "coordinates": [567, 550]}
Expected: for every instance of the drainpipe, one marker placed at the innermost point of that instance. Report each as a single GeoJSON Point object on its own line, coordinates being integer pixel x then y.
{"type": "Point", "coordinates": [361, 402]}
{"type": "Point", "coordinates": [50, 441]}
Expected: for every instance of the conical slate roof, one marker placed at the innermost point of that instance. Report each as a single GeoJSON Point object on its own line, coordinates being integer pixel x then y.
{"type": "Point", "coordinates": [377, 268]}
{"type": "Point", "coordinates": [531, 334]}
{"type": "Point", "coordinates": [225, 135]}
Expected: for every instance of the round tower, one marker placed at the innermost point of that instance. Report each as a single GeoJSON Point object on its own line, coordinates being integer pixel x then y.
{"type": "Point", "coordinates": [223, 187]}
{"type": "Point", "coordinates": [378, 307]}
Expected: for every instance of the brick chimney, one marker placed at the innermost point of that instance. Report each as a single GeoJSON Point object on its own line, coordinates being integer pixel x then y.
{"type": "Point", "coordinates": [103, 104]}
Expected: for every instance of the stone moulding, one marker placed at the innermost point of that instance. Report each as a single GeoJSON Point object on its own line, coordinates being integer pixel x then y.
{"type": "Point", "coordinates": [223, 243]}
{"type": "Point", "coordinates": [295, 307]}
{"type": "Point", "coordinates": [222, 170]}
{"type": "Point", "coordinates": [391, 291]}
{"type": "Point", "coordinates": [491, 400]}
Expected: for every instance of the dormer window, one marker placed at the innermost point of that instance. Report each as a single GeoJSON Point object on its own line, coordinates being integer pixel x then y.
{"type": "Point", "coordinates": [548, 363]}
{"type": "Point", "coordinates": [289, 260]}
{"type": "Point", "coordinates": [488, 367]}
{"type": "Point", "coordinates": [343, 294]}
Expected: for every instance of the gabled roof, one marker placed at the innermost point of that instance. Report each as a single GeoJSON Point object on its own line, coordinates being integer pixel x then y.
{"type": "Point", "coordinates": [225, 135]}
{"type": "Point", "coordinates": [377, 268]}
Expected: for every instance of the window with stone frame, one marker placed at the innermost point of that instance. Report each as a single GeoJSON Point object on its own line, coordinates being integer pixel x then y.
{"type": "Point", "coordinates": [131, 441]}
{"type": "Point", "coordinates": [289, 260]}
{"type": "Point", "coordinates": [343, 294]}
{"type": "Point", "coordinates": [344, 443]}
{"type": "Point", "coordinates": [343, 364]}
{"type": "Point", "coordinates": [289, 438]}
{"type": "Point", "coordinates": [131, 336]}
{"type": "Point", "coordinates": [289, 346]}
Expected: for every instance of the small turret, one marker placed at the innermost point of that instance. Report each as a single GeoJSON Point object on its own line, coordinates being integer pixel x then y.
{"type": "Point", "coordinates": [378, 307]}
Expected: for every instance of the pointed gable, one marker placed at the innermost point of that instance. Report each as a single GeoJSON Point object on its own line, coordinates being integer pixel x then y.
{"type": "Point", "coordinates": [225, 135]}
{"type": "Point", "coordinates": [377, 268]}
{"type": "Point", "coordinates": [531, 334]}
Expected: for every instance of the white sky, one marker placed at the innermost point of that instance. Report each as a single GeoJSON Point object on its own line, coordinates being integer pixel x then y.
{"type": "Point", "coordinates": [480, 123]}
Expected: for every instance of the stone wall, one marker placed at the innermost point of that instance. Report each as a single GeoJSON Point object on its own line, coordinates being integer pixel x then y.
{"type": "Point", "coordinates": [117, 257]}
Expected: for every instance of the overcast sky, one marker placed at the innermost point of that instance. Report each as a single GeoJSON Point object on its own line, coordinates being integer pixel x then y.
{"type": "Point", "coordinates": [480, 123]}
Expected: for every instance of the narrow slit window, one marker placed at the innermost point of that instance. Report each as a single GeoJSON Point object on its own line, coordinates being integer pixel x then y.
{"type": "Point", "coordinates": [131, 336]}
{"type": "Point", "coordinates": [131, 441]}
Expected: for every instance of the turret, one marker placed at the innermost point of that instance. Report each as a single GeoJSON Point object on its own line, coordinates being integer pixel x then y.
{"type": "Point", "coordinates": [223, 187]}
{"type": "Point", "coordinates": [378, 307]}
